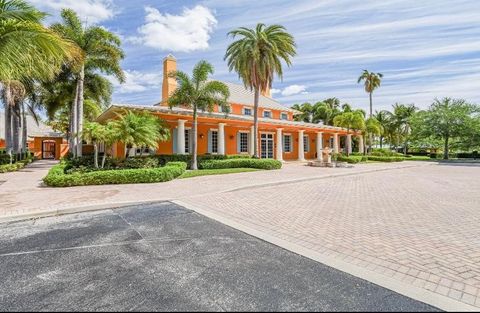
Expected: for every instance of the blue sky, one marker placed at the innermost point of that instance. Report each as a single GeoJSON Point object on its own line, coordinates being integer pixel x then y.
{"type": "Point", "coordinates": [425, 49]}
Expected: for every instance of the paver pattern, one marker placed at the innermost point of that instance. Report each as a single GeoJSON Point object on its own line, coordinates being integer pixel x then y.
{"type": "Point", "coordinates": [417, 225]}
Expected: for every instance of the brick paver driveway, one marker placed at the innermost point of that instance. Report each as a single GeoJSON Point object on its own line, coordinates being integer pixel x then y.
{"type": "Point", "coordinates": [418, 226]}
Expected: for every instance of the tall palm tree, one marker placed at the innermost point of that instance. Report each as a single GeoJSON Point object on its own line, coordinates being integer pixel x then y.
{"type": "Point", "coordinates": [371, 81]}
{"type": "Point", "coordinates": [29, 52]}
{"type": "Point", "coordinates": [350, 120]}
{"type": "Point", "coordinates": [102, 53]}
{"type": "Point", "coordinates": [198, 93]}
{"type": "Point", "coordinates": [257, 57]}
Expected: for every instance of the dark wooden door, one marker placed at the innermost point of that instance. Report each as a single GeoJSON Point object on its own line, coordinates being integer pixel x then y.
{"type": "Point", "coordinates": [48, 150]}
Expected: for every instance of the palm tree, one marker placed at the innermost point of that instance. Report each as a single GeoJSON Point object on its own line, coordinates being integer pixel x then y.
{"type": "Point", "coordinates": [198, 93]}
{"type": "Point", "coordinates": [94, 133]}
{"type": "Point", "coordinates": [29, 52]}
{"type": "Point", "coordinates": [139, 129]}
{"type": "Point", "coordinates": [402, 114]}
{"type": "Point", "coordinates": [307, 112]}
{"type": "Point", "coordinates": [102, 53]}
{"type": "Point", "coordinates": [371, 81]}
{"type": "Point", "coordinates": [256, 57]}
{"type": "Point", "coordinates": [28, 49]}
{"type": "Point", "coordinates": [384, 118]}
{"type": "Point", "coordinates": [372, 128]}
{"type": "Point", "coordinates": [350, 120]}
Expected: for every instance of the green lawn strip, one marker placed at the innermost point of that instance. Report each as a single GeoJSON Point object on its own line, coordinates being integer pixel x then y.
{"type": "Point", "coordinates": [195, 173]}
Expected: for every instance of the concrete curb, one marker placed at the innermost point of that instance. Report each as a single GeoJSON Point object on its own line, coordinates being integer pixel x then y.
{"type": "Point", "coordinates": [72, 210]}
{"type": "Point", "coordinates": [416, 293]}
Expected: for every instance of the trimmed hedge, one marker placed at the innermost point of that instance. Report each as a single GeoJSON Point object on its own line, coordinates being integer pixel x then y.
{"type": "Point", "coordinates": [187, 158]}
{"type": "Point", "coordinates": [386, 158]}
{"type": "Point", "coordinates": [56, 177]}
{"type": "Point", "coordinates": [15, 166]}
{"type": "Point", "coordinates": [353, 159]}
{"type": "Point", "coordinates": [264, 164]}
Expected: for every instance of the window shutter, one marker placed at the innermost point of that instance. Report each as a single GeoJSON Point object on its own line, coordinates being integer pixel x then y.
{"type": "Point", "coordinates": [174, 140]}
{"type": "Point", "coordinates": [209, 141]}
{"type": "Point", "coordinates": [238, 143]}
{"type": "Point", "coordinates": [283, 143]}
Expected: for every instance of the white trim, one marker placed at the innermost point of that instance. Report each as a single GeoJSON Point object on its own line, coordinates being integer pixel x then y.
{"type": "Point", "coordinates": [243, 111]}
{"type": "Point", "coordinates": [271, 114]}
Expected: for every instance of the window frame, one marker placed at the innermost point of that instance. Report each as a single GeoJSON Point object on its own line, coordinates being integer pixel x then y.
{"type": "Point", "coordinates": [246, 108]}
{"type": "Point", "coordinates": [282, 114]}
{"type": "Point", "coordinates": [269, 113]}
{"type": "Point", "coordinates": [246, 134]}
{"type": "Point", "coordinates": [290, 145]}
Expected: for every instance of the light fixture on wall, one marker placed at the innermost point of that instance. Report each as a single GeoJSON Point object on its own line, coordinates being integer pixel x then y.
{"type": "Point", "coordinates": [231, 137]}
{"type": "Point", "coordinates": [201, 136]}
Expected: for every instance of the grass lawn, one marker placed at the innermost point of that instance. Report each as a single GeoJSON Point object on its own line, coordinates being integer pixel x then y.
{"type": "Point", "coordinates": [196, 173]}
{"type": "Point", "coordinates": [420, 158]}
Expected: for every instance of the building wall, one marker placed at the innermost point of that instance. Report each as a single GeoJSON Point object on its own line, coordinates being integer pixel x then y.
{"type": "Point", "coordinates": [59, 146]}
{"type": "Point", "coordinates": [232, 127]}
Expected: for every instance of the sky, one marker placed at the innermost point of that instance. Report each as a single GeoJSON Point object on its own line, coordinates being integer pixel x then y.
{"type": "Point", "coordinates": [425, 49]}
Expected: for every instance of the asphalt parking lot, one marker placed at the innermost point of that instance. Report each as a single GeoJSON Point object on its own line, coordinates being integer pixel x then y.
{"type": "Point", "coordinates": [163, 257]}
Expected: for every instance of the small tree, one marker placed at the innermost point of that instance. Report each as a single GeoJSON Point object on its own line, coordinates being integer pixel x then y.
{"type": "Point", "coordinates": [94, 133]}
{"type": "Point", "coordinates": [140, 129]}
{"type": "Point", "coordinates": [447, 119]}
{"type": "Point", "coordinates": [350, 120]}
{"type": "Point", "coordinates": [198, 93]}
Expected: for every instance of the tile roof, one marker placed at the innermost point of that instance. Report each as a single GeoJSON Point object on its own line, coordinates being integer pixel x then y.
{"type": "Point", "coordinates": [33, 130]}
{"type": "Point", "coordinates": [183, 111]}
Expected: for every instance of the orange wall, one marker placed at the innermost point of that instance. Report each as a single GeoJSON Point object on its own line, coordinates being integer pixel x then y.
{"type": "Point", "coordinates": [37, 146]}
{"type": "Point", "coordinates": [2, 143]}
{"type": "Point", "coordinates": [231, 129]}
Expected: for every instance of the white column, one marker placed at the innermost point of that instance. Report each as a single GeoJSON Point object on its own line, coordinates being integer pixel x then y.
{"type": "Point", "coordinates": [279, 144]}
{"type": "Point", "coordinates": [335, 143]}
{"type": "Point", "coordinates": [319, 146]}
{"type": "Point", "coordinates": [221, 138]}
{"type": "Point", "coordinates": [361, 144]}
{"type": "Point", "coordinates": [251, 142]}
{"type": "Point", "coordinates": [301, 149]}
{"type": "Point", "coordinates": [181, 137]}
{"type": "Point", "coordinates": [349, 144]}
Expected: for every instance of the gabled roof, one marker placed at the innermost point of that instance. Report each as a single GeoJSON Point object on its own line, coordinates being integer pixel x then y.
{"type": "Point", "coordinates": [241, 95]}
{"type": "Point", "coordinates": [33, 129]}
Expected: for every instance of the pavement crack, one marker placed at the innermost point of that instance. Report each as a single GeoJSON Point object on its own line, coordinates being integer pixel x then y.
{"type": "Point", "coordinates": [128, 223]}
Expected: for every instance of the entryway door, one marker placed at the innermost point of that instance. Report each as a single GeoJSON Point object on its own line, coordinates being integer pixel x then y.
{"type": "Point", "coordinates": [266, 146]}
{"type": "Point", "coordinates": [48, 150]}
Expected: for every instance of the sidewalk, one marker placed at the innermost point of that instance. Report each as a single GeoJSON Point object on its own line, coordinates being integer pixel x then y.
{"type": "Point", "coordinates": [22, 193]}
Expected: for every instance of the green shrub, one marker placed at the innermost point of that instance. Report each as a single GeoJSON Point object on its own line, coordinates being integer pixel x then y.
{"type": "Point", "coordinates": [386, 158]}
{"type": "Point", "coordinates": [353, 159]}
{"type": "Point", "coordinates": [57, 177]}
{"type": "Point", "coordinates": [4, 168]}
{"type": "Point", "coordinates": [187, 158]}
{"type": "Point", "coordinates": [265, 164]}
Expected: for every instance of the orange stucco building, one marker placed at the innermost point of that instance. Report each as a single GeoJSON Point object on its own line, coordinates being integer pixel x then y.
{"type": "Point", "coordinates": [279, 137]}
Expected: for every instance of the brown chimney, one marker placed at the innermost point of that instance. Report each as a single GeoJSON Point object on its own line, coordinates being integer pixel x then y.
{"type": "Point", "coordinates": [169, 84]}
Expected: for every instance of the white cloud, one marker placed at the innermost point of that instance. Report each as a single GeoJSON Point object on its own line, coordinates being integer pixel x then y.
{"type": "Point", "coordinates": [294, 90]}
{"type": "Point", "coordinates": [186, 32]}
{"type": "Point", "coordinates": [274, 91]}
{"type": "Point", "coordinates": [94, 11]}
{"type": "Point", "coordinates": [136, 81]}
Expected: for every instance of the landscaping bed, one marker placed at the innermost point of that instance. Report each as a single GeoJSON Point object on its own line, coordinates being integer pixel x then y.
{"type": "Point", "coordinates": [4, 168]}
{"type": "Point", "coordinates": [57, 177]}
{"type": "Point", "coordinates": [81, 172]}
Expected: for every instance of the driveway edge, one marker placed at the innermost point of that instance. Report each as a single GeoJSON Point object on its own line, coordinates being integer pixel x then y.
{"type": "Point", "coordinates": [416, 293]}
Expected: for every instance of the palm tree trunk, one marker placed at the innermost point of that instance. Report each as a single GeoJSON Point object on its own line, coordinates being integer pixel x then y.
{"type": "Point", "coordinates": [445, 151]}
{"type": "Point", "coordinates": [16, 126]}
{"type": "Point", "coordinates": [255, 122]}
{"type": "Point", "coordinates": [80, 111]}
{"type": "Point", "coordinates": [73, 124]}
{"type": "Point", "coordinates": [370, 139]}
{"type": "Point", "coordinates": [95, 154]}
{"type": "Point", "coordinates": [104, 156]}
{"type": "Point", "coordinates": [381, 142]}
{"type": "Point", "coordinates": [24, 130]}
{"type": "Point", "coordinates": [8, 119]}
{"type": "Point", "coordinates": [194, 137]}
